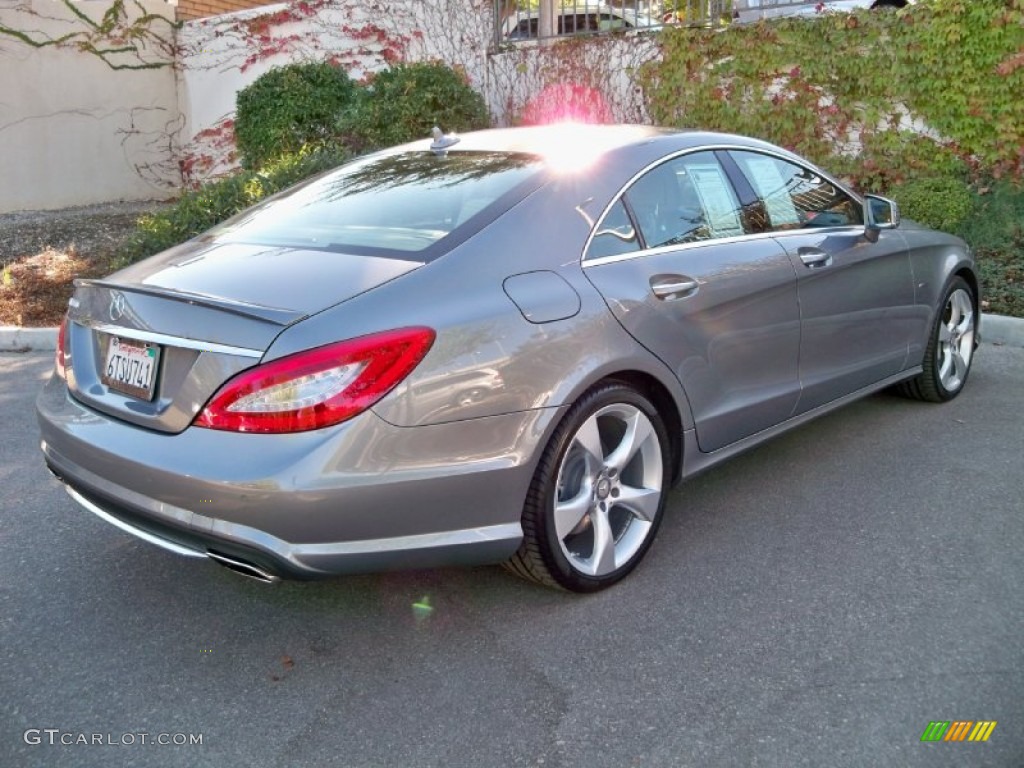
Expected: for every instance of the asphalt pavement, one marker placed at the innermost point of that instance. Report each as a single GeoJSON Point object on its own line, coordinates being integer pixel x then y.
{"type": "Point", "coordinates": [815, 602]}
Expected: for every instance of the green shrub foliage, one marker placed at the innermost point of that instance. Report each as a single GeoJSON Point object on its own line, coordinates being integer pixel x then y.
{"type": "Point", "coordinates": [940, 203]}
{"type": "Point", "coordinates": [404, 103]}
{"type": "Point", "coordinates": [995, 230]}
{"type": "Point", "coordinates": [289, 108]}
{"type": "Point", "coordinates": [301, 119]}
{"type": "Point", "coordinates": [216, 201]}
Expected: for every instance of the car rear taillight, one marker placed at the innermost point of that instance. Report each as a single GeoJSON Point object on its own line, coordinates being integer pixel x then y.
{"type": "Point", "coordinates": [59, 359]}
{"type": "Point", "coordinates": [319, 387]}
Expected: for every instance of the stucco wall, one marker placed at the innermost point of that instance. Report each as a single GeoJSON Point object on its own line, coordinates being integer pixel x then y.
{"type": "Point", "coordinates": [77, 128]}
{"type": "Point", "coordinates": [219, 56]}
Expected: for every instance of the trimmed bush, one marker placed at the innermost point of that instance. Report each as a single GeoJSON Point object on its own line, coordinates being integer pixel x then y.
{"type": "Point", "coordinates": [212, 203]}
{"type": "Point", "coordinates": [939, 203]}
{"type": "Point", "coordinates": [289, 108]}
{"type": "Point", "coordinates": [404, 103]}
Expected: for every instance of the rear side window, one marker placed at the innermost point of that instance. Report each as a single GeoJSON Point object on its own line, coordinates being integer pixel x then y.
{"type": "Point", "coordinates": [406, 203]}
{"type": "Point", "coordinates": [796, 197]}
{"type": "Point", "coordinates": [615, 235]}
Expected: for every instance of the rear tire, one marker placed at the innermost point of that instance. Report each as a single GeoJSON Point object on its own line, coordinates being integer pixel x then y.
{"type": "Point", "coordinates": [950, 351]}
{"type": "Point", "coordinates": [598, 494]}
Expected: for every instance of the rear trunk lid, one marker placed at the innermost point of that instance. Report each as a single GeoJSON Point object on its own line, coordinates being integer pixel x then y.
{"type": "Point", "coordinates": [153, 342]}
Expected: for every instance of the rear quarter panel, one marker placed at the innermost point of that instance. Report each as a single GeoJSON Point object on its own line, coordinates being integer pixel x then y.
{"type": "Point", "coordinates": [488, 359]}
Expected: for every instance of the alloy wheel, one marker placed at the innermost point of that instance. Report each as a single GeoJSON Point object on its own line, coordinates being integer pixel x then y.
{"type": "Point", "coordinates": [956, 340]}
{"type": "Point", "coordinates": [609, 489]}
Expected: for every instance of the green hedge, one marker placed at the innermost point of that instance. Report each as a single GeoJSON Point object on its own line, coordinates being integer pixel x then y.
{"type": "Point", "coordinates": [197, 211]}
{"type": "Point", "coordinates": [289, 108]}
{"type": "Point", "coordinates": [938, 202]}
{"type": "Point", "coordinates": [298, 120]}
{"type": "Point", "coordinates": [404, 103]}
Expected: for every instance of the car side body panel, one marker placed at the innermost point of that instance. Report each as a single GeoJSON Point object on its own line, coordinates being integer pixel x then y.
{"type": "Point", "coordinates": [733, 342]}
{"type": "Point", "coordinates": [857, 311]}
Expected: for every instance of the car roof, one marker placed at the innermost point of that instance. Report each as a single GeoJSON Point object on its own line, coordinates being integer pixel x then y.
{"type": "Point", "coordinates": [549, 141]}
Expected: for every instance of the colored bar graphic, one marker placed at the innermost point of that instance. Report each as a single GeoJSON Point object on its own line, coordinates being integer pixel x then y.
{"type": "Point", "coordinates": [958, 730]}
{"type": "Point", "coordinates": [983, 730]}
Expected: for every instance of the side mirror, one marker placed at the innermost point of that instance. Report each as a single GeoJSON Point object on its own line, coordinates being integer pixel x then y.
{"type": "Point", "coordinates": [879, 213]}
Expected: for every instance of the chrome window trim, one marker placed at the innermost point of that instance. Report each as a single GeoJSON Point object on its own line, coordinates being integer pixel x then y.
{"type": "Point", "coordinates": [715, 241]}
{"type": "Point", "coordinates": [585, 262]}
{"type": "Point", "coordinates": [168, 340]}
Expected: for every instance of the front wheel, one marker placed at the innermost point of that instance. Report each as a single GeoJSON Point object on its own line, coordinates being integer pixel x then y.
{"type": "Point", "coordinates": [950, 351]}
{"type": "Point", "coordinates": [597, 497]}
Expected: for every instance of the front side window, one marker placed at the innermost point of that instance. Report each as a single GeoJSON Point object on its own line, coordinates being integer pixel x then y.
{"type": "Point", "coordinates": [685, 200]}
{"type": "Point", "coordinates": [797, 197]}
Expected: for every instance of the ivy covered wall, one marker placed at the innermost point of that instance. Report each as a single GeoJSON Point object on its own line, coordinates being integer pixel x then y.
{"type": "Point", "coordinates": [935, 89]}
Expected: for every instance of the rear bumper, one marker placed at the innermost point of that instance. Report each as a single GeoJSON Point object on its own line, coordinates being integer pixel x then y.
{"type": "Point", "coordinates": [364, 496]}
{"type": "Point", "coordinates": [278, 559]}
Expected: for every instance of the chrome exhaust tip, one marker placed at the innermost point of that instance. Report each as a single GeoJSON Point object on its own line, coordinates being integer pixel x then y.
{"type": "Point", "coordinates": [242, 567]}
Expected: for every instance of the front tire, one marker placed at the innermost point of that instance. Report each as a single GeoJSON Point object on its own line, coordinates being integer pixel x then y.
{"type": "Point", "coordinates": [598, 494]}
{"type": "Point", "coordinates": [950, 351]}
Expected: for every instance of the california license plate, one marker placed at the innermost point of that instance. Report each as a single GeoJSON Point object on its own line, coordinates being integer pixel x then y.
{"type": "Point", "coordinates": [131, 367]}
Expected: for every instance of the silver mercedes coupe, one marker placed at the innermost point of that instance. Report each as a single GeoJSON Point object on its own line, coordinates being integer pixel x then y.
{"type": "Point", "coordinates": [501, 347]}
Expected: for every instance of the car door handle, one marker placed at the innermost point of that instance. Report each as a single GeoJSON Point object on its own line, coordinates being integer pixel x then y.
{"type": "Point", "coordinates": [814, 258]}
{"type": "Point", "coordinates": [671, 287]}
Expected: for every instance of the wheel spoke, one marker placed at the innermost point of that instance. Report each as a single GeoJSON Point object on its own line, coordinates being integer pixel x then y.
{"type": "Point", "coordinates": [966, 323]}
{"type": "Point", "coordinates": [589, 439]}
{"type": "Point", "coordinates": [945, 333]}
{"type": "Point", "coordinates": [953, 305]}
{"type": "Point", "coordinates": [638, 431]}
{"type": "Point", "coordinates": [642, 502]}
{"type": "Point", "coordinates": [602, 561]}
{"type": "Point", "coordinates": [946, 366]}
{"type": "Point", "coordinates": [569, 513]}
{"type": "Point", "coordinates": [960, 365]}
{"type": "Point", "coordinates": [961, 306]}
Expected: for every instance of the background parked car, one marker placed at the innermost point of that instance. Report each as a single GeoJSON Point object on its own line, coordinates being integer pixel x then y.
{"type": "Point", "coordinates": [578, 19]}
{"type": "Point", "coordinates": [753, 10]}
